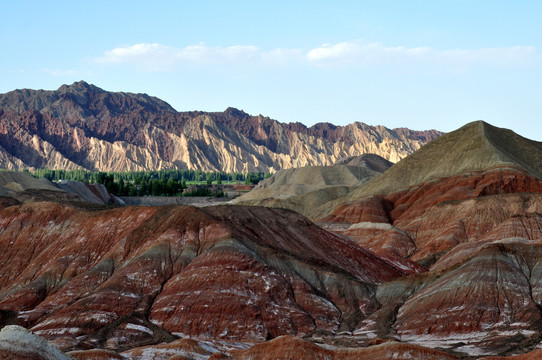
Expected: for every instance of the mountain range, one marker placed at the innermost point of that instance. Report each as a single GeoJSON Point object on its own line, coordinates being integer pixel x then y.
{"type": "Point", "coordinates": [82, 126]}
{"type": "Point", "coordinates": [436, 257]}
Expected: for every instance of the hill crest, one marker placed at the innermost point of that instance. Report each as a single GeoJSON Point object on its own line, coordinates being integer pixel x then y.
{"type": "Point", "coordinates": [477, 146]}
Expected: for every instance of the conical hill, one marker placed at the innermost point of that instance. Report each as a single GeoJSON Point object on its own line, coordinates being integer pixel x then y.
{"type": "Point", "coordinates": [477, 146]}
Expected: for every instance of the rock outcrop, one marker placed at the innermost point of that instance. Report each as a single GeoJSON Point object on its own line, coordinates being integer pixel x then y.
{"type": "Point", "coordinates": [17, 342]}
{"type": "Point", "coordinates": [83, 126]}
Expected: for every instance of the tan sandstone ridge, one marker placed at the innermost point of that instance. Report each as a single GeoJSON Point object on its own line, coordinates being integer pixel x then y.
{"type": "Point", "coordinates": [306, 188]}
{"type": "Point", "coordinates": [83, 126]}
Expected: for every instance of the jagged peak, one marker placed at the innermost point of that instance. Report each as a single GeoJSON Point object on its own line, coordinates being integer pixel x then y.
{"type": "Point", "coordinates": [324, 125]}
{"type": "Point", "coordinates": [235, 112]}
{"type": "Point", "coordinates": [79, 86]}
{"type": "Point", "coordinates": [114, 116]}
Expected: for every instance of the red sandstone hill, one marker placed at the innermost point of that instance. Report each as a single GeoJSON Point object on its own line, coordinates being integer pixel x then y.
{"type": "Point", "coordinates": [133, 276]}
{"type": "Point", "coordinates": [293, 348]}
{"type": "Point", "coordinates": [455, 189]}
{"type": "Point", "coordinates": [83, 126]}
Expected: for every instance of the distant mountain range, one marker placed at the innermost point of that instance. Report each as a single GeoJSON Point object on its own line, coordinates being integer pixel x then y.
{"type": "Point", "coordinates": [83, 126]}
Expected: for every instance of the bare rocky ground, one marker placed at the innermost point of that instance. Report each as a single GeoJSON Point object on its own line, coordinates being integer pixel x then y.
{"type": "Point", "coordinates": [230, 193]}
{"type": "Point", "coordinates": [306, 188]}
{"type": "Point", "coordinates": [176, 200]}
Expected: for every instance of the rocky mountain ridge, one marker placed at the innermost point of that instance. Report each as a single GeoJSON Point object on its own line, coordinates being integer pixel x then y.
{"type": "Point", "coordinates": [83, 126]}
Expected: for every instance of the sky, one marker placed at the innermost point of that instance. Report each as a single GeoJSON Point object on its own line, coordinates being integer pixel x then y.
{"type": "Point", "coordinates": [421, 64]}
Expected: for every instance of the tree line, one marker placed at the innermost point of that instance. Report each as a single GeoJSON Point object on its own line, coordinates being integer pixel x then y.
{"type": "Point", "coordinates": [156, 183]}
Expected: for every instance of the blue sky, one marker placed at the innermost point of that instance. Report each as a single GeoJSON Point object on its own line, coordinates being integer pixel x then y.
{"type": "Point", "coordinates": [419, 64]}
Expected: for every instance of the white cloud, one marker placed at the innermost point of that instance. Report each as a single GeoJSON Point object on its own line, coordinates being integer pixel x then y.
{"type": "Point", "coordinates": [203, 53]}
{"type": "Point", "coordinates": [160, 57]}
{"type": "Point", "coordinates": [343, 50]}
{"type": "Point", "coordinates": [153, 56]}
{"type": "Point", "coordinates": [349, 54]}
{"type": "Point", "coordinates": [122, 53]}
{"type": "Point", "coordinates": [361, 54]}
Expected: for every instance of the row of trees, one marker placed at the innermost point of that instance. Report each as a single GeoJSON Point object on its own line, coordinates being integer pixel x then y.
{"type": "Point", "coordinates": [157, 183]}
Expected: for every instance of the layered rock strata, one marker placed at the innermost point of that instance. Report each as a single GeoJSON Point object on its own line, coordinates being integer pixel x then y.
{"type": "Point", "coordinates": [118, 278]}
{"type": "Point", "coordinates": [479, 233]}
{"type": "Point", "coordinates": [83, 126]}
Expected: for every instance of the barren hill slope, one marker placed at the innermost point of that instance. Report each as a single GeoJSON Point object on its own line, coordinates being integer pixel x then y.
{"type": "Point", "coordinates": [306, 188]}
{"type": "Point", "coordinates": [83, 126]}
{"type": "Point", "coordinates": [15, 181]}
{"type": "Point", "coordinates": [18, 187]}
{"type": "Point", "coordinates": [220, 282]}
{"type": "Point", "coordinates": [468, 207]}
